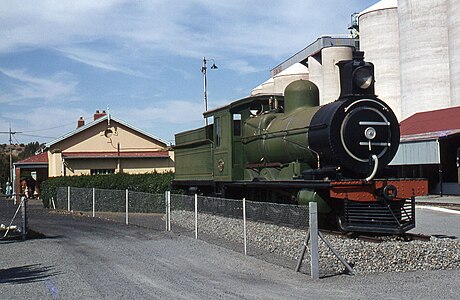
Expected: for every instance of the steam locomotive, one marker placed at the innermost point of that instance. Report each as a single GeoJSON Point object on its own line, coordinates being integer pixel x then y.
{"type": "Point", "coordinates": [289, 149]}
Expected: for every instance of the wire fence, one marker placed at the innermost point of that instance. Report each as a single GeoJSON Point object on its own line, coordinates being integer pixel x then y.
{"type": "Point", "coordinates": [13, 217]}
{"type": "Point", "coordinates": [241, 221]}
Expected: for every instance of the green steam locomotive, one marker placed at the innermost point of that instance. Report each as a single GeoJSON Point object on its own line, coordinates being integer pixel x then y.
{"type": "Point", "coordinates": [292, 150]}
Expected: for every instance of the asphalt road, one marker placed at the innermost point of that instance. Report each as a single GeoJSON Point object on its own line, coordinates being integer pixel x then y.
{"type": "Point", "coordinates": [431, 221]}
{"type": "Point", "coordinates": [85, 258]}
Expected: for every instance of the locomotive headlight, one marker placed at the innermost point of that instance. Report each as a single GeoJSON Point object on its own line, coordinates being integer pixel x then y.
{"type": "Point", "coordinates": [363, 77]}
{"type": "Point", "coordinates": [370, 133]}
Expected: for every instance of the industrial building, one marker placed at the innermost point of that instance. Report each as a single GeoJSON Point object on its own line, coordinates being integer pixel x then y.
{"type": "Point", "coordinates": [415, 48]}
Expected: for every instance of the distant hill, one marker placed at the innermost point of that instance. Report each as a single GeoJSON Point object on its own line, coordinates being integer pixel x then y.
{"type": "Point", "coordinates": [17, 149]}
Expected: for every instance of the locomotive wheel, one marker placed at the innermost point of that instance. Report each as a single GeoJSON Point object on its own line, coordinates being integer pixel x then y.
{"type": "Point", "coordinates": [340, 221]}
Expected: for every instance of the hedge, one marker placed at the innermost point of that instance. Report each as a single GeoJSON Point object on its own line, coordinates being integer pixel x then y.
{"type": "Point", "coordinates": [153, 183]}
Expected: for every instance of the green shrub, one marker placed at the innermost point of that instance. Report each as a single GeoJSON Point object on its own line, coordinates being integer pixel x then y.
{"type": "Point", "coordinates": [153, 183]}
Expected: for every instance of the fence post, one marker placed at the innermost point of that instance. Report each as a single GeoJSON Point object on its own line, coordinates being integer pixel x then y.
{"type": "Point", "coordinates": [68, 198]}
{"type": "Point", "coordinates": [314, 263]}
{"type": "Point", "coordinates": [168, 210]}
{"type": "Point", "coordinates": [127, 209]}
{"type": "Point", "coordinates": [196, 216]}
{"type": "Point", "coordinates": [24, 217]}
{"type": "Point", "coordinates": [94, 202]}
{"type": "Point", "coordinates": [244, 226]}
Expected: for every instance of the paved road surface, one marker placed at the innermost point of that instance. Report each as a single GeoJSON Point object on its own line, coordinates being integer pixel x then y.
{"type": "Point", "coordinates": [84, 258]}
{"type": "Point", "coordinates": [437, 222]}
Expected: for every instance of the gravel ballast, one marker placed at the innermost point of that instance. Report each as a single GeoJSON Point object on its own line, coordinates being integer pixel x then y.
{"type": "Point", "coordinates": [391, 255]}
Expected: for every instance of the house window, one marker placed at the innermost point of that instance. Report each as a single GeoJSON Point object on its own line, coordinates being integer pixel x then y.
{"type": "Point", "coordinates": [102, 171]}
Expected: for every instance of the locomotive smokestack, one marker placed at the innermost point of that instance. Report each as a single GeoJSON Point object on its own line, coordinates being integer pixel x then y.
{"type": "Point", "coordinates": [358, 55]}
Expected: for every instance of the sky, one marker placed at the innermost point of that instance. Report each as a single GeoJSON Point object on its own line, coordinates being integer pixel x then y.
{"type": "Point", "coordinates": [142, 60]}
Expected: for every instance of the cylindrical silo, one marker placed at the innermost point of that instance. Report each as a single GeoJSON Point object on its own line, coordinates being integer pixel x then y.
{"type": "Point", "coordinates": [331, 78]}
{"type": "Point", "coordinates": [379, 39]}
{"type": "Point", "coordinates": [268, 86]}
{"type": "Point", "coordinates": [316, 73]}
{"type": "Point", "coordinates": [453, 20]}
{"type": "Point", "coordinates": [257, 90]}
{"type": "Point", "coordinates": [283, 79]}
{"type": "Point", "coordinates": [424, 55]}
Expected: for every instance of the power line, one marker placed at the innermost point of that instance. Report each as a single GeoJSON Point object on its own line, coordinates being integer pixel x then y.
{"type": "Point", "coordinates": [45, 129]}
{"type": "Point", "coordinates": [38, 136]}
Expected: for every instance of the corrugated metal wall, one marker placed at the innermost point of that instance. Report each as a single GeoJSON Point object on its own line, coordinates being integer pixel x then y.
{"type": "Point", "coordinates": [417, 153]}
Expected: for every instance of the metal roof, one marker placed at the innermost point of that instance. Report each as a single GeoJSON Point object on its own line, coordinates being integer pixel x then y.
{"type": "Point", "coordinates": [41, 158]}
{"type": "Point", "coordinates": [313, 48]}
{"type": "Point", "coordinates": [99, 120]}
{"type": "Point", "coordinates": [244, 101]}
{"type": "Point", "coordinates": [431, 125]}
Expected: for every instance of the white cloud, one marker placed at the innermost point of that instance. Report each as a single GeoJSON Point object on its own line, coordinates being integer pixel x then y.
{"type": "Point", "coordinates": [241, 66]}
{"type": "Point", "coordinates": [265, 28]}
{"type": "Point", "coordinates": [171, 112]}
{"type": "Point", "coordinates": [101, 60]}
{"type": "Point", "coordinates": [42, 123]}
{"type": "Point", "coordinates": [26, 86]}
{"type": "Point", "coordinates": [151, 39]}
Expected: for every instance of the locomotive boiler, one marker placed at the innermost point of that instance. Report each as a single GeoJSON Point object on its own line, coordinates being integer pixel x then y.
{"type": "Point", "coordinates": [290, 149]}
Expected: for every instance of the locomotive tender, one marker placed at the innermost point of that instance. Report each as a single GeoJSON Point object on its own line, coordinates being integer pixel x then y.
{"type": "Point", "coordinates": [291, 150]}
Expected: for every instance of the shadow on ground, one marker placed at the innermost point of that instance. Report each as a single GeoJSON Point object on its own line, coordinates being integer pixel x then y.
{"type": "Point", "coordinates": [26, 274]}
{"type": "Point", "coordinates": [31, 235]}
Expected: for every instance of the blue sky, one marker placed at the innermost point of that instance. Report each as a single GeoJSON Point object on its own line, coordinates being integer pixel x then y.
{"type": "Point", "coordinates": [60, 60]}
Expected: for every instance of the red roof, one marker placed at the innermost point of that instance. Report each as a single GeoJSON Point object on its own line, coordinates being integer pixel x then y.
{"type": "Point", "coordinates": [432, 124]}
{"type": "Point", "coordinates": [139, 154]}
{"type": "Point", "coordinates": [41, 158]}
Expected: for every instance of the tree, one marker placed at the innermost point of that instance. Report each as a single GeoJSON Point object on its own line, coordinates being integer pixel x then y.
{"type": "Point", "coordinates": [29, 150]}
{"type": "Point", "coordinates": [4, 169]}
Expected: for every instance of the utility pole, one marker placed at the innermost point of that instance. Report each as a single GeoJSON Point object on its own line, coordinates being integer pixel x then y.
{"type": "Point", "coordinates": [10, 179]}
{"type": "Point", "coordinates": [205, 84]}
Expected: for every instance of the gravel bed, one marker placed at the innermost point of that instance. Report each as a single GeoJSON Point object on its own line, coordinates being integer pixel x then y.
{"type": "Point", "coordinates": [391, 255]}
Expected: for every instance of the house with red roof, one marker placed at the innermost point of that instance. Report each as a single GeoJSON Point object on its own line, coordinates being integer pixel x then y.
{"type": "Point", "coordinates": [32, 170]}
{"type": "Point", "coordinates": [430, 148]}
{"type": "Point", "coordinates": [106, 145]}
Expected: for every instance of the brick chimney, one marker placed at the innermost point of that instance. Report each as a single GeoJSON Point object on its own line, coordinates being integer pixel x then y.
{"type": "Point", "coordinates": [80, 122]}
{"type": "Point", "coordinates": [98, 114]}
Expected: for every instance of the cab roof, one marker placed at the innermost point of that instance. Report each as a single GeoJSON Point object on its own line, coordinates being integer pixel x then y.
{"type": "Point", "coordinates": [244, 103]}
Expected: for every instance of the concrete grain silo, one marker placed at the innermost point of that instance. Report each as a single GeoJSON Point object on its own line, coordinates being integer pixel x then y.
{"type": "Point", "coordinates": [331, 79]}
{"type": "Point", "coordinates": [424, 55]}
{"type": "Point", "coordinates": [316, 73]}
{"type": "Point", "coordinates": [283, 79]}
{"type": "Point", "coordinates": [257, 90]}
{"type": "Point", "coordinates": [379, 39]}
{"type": "Point", "coordinates": [268, 86]}
{"type": "Point", "coordinates": [453, 19]}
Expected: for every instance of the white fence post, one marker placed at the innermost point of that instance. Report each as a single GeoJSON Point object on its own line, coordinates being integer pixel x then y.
{"type": "Point", "coordinates": [127, 210]}
{"type": "Point", "coordinates": [94, 202]}
{"type": "Point", "coordinates": [68, 198]}
{"type": "Point", "coordinates": [314, 263]}
{"type": "Point", "coordinates": [168, 210]}
{"type": "Point", "coordinates": [196, 216]}
{"type": "Point", "coordinates": [244, 226]}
